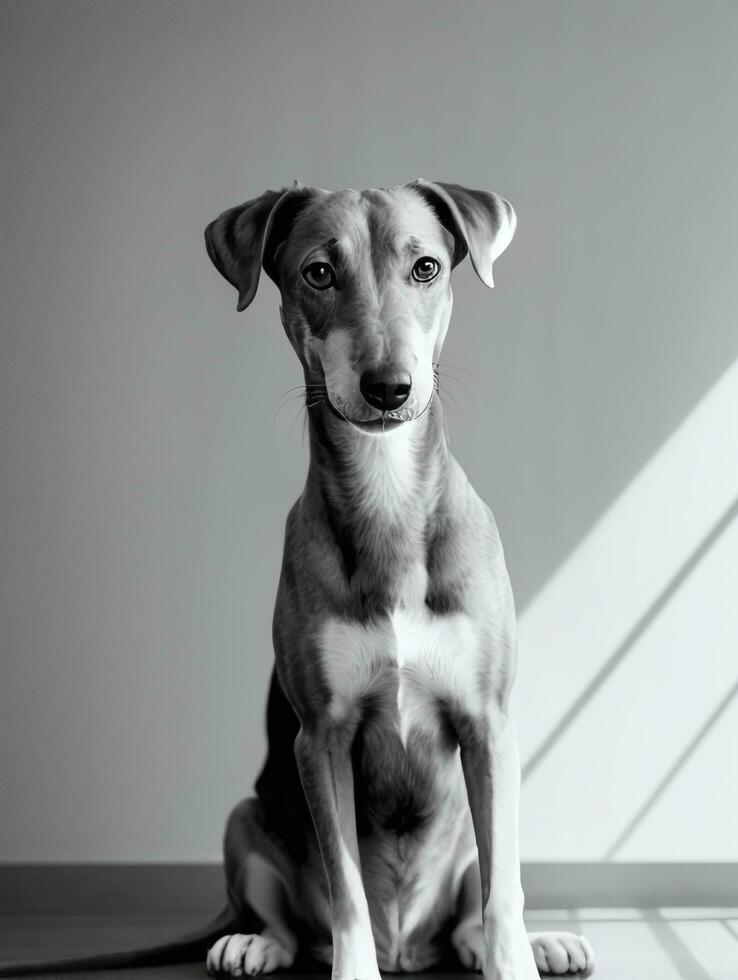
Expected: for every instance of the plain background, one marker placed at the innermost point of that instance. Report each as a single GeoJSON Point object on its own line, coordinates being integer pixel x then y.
{"type": "Point", "coordinates": [145, 480]}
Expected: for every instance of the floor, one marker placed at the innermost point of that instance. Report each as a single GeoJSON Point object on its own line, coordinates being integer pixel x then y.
{"type": "Point", "coordinates": [630, 944]}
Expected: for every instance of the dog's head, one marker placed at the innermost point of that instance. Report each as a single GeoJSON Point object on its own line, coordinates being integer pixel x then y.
{"type": "Point", "coordinates": [365, 279]}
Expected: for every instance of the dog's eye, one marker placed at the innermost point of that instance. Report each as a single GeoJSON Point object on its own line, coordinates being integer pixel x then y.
{"type": "Point", "coordinates": [319, 275]}
{"type": "Point", "coordinates": [426, 269]}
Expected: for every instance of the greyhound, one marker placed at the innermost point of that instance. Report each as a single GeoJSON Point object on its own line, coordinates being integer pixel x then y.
{"type": "Point", "coordinates": [384, 829]}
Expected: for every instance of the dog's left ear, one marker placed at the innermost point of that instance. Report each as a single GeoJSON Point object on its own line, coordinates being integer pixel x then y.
{"type": "Point", "coordinates": [481, 222]}
{"type": "Point", "coordinates": [245, 239]}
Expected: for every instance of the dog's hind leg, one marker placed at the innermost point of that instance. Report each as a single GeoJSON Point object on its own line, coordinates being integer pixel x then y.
{"type": "Point", "coordinates": [467, 937]}
{"type": "Point", "coordinates": [260, 883]}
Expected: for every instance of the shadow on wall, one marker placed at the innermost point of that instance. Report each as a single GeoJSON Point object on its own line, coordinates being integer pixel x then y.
{"type": "Point", "coordinates": [637, 757]}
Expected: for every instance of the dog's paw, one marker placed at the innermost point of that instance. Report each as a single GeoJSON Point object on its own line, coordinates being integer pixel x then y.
{"type": "Point", "coordinates": [467, 940]}
{"type": "Point", "coordinates": [247, 955]}
{"type": "Point", "coordinates": [561, 954]}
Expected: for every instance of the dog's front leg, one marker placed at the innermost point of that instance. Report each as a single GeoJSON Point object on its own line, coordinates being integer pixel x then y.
{"type": "Point", "coordinates": [489, 757]}
{"type": "Point", "coordinates": [323, 753]}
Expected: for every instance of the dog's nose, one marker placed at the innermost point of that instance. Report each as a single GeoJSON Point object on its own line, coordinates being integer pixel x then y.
{"type": "Point", "coordinates": [385, 391]}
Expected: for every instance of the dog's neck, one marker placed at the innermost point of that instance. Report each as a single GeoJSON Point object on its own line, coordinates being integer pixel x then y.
{"type": "Point", "coordinates": [381, 494]}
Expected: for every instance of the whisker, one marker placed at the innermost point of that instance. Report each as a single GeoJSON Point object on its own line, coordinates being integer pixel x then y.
{"type": "Point", "coordinates": [457, 367]}
{"type": "Point", "coordinates": [452, 377]}
{"type": "Point", "coordinates": [447, 394]}
{"type": "Point", "coordinates": [303, 387]}
{"type": "Point", "coordinates": [286, 402]}
{"type": "Point", "coordinates": [467, 391]}
{"type": "Point", "coordinates": [302, 409]}
{"type": "Point", "coordinates": [307, 390]}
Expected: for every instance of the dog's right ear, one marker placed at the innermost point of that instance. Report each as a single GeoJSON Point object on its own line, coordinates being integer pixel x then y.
{"type": "Point", "coordinates": [246, 237]}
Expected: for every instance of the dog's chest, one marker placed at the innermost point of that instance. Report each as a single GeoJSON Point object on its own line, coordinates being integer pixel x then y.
{"type": "Point", "coordinates": [403, 665]}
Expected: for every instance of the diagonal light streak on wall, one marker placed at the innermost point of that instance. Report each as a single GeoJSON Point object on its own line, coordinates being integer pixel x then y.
{"type": "Point", "coordinates": [629, 601]}
{"type": "Point", "coordinates": [676, 767]}
{"type": "Point", "coordinates": [600, 678]}
{"type": "Point", "coordinates": [591, 603]}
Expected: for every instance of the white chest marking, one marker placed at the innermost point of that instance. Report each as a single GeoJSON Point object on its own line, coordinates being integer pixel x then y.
{"type": "Point", "coordinates": [433, 657]}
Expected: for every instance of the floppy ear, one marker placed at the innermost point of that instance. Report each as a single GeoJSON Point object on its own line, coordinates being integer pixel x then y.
{"type": "Point", "coordinates": [246, 237]}
{"type": "Point", "coordinates": [481, 222]}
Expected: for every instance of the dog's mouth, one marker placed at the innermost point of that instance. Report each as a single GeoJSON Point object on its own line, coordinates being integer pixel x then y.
{"type": "Point", "coordinates": [386, 422]}
{"type": "Point", "coordinates": [383, 424]}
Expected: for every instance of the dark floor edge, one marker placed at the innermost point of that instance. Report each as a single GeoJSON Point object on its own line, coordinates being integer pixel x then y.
{"type": "Point", "coordinates": [625, 885]}
{"type": "Point", "coordinates": [174, 888]}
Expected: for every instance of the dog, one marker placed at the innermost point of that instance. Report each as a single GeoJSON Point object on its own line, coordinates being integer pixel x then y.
{"type": "Point", "coordinates": [384, 829]}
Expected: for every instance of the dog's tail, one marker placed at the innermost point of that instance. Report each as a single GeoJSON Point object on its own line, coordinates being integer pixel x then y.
{"type": "Point", "coordinates": [186, 949]}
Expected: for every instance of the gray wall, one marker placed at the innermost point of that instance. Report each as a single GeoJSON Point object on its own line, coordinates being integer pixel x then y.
{"type": "Point", "coordinates": [144, 480]}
